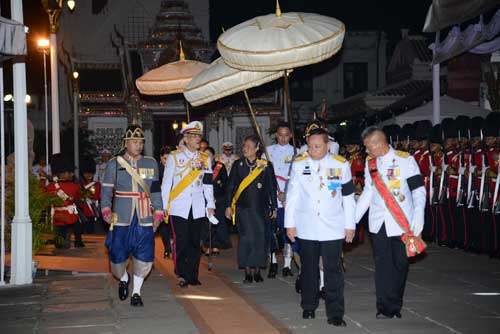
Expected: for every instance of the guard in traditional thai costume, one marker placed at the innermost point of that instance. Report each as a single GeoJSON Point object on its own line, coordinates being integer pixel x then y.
{"type": "Point", "coordinates": [188, 197]}
{"type": "Point", "coordinates": [251, 191]}
{"type": "Point", "coordinates": [395, 193]}
{"type": "Point", "coordinates": [131, 204]}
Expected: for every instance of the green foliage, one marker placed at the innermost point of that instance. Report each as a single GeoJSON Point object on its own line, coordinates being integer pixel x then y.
{"type": "Point", "coordinates": [40, 203]}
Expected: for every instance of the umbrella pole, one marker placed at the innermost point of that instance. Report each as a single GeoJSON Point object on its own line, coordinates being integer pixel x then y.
{"type": "Point", "coordinates": [187, 111]}
{"type": "Point", "coordinates": [288, 102]}
{"type": "Point", "coordinates": [257, 128]}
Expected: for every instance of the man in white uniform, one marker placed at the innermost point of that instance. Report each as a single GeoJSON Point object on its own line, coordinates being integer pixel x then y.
{"type": "Point", "coordinates": [281, 155]}
{"type": "Point", "coordinates": [188, 197]}
{"type": "Point", "coordinates": [227, 157]}
{"type": "Point", "coordinates": [319, 212]}
{"type": "Point", "coordinates": [395, 193]}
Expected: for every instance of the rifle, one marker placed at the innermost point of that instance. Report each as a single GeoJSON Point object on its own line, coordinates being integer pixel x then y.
{"type": "Point", "coordinates": [461, 181]}
{"type": "Point", "coordinates": [496, 201]}
{"type": "Point", "coordinates": [443, 184]}
{"type": "Point", "coordinates": [484, 192]}
{"type": "Point", "coordinates": [433, 186]}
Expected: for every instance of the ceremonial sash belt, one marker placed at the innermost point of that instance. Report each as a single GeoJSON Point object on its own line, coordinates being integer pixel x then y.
{"type": "Point", "coordinates": [183, 184]}
{"type": "Point", "coordinates": [243, 185]}
{"type": "Point", "coordinates": [281, 178]}
{"type": "Point", "coordinates": [144, 201]}
{"type": "Point", "coordinates": [216, 170]}
{"type": "Point", "coordinates": [144, 197]}
{"type": "Point", "coordinates": [413, 244]}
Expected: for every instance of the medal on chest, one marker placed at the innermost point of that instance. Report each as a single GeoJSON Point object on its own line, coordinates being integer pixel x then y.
{"type": "Point", "coordinates": [394, 178]}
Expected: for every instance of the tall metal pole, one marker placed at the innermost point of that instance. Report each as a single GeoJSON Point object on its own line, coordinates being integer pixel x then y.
{"type": "Point", "coordinates": [46, 111]}
{"type": "Point", "coordinates": [76, 146]}
{"type": "Point", "coordinates": [21, 254]}
{"type": "Point", "coordinates": [436, 89]}
{"type": "Point", "coordinates": [54, 91]}
{"type": "Point", "coordinates": [2, 162]}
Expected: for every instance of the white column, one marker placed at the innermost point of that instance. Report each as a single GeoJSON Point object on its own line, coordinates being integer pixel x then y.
{"type": "Point", "coordinates": [54, 91]}
{"type": "Point", "coordinates": [436, 95]}
{"type": "Point", "coordinates": [21, 224]}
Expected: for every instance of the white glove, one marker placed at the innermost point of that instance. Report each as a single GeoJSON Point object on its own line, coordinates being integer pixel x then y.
{"type": "Point", "coordinates": [212, 219]}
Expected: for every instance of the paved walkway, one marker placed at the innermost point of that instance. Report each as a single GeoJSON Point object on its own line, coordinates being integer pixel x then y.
{"type": "Point", "coordinates": [448, 292]}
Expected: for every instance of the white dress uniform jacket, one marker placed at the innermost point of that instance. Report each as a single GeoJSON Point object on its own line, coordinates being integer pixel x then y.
{"type": "Point", "coordinates": [179, 164]}
{"type": "Point", "coordinates": [320, 198]}
{"type": "Point", "coordinates": [281, 158]}
{"type": "Point", "coordinates": [412, 188]}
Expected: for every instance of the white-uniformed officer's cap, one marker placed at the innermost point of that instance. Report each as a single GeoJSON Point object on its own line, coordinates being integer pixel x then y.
{"type": "Point", "coordinates": [194, 128]}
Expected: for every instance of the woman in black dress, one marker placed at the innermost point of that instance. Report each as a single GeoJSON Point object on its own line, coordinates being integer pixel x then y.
{"type": "Point", "coordinates": [253, 201]}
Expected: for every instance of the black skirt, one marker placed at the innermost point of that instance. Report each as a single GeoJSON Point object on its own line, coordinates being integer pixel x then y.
{"type": "Point", "coordinates": [252, 245]}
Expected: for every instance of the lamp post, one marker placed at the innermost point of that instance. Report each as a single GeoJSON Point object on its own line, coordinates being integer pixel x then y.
{"type": "Point", "coordinates": [53, 9]}
{"type": "Point", "coordinates": [76, 138]}
{"type": "Point", "coordinates": [44, 47]}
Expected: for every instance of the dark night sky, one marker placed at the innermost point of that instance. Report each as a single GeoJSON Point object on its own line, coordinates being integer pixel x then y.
{"type": "Point", "coordinates": [388, 15]}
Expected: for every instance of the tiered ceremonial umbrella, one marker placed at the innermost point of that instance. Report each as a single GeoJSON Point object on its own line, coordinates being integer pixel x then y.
{"type": "Point", "coordinates": [219, 80]}
{"type": "Point", "coordinates": [281, 41]}
{"type": "Point", "coordinates": [171, 78]}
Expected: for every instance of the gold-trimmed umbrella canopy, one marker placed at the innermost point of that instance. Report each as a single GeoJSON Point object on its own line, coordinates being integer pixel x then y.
{"type": "Point", "coordinates": [281, 41]}
{"type": "Point", "coordinates": [219, 80]}
{"type": "Point", "coordinates": [171, 78]}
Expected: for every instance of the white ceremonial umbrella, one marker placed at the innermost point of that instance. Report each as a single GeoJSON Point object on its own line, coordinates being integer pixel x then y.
{"type": "Point", "coordinates": [219, 80]}
{"type": "Point", "coordinates": [171, 78]}
{"type": "Point", "coordinates": [281, 41]}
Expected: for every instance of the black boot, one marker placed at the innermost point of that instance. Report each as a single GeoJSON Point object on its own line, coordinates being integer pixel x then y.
{"type": "Point", "coordinates": [298, 286]}
{"type": "Point", "coordinates": [248, 276]}
{"type": "Point", "coordinates": [273, 269]}
{"type": "Point", "coordinates": [287, 271]}
{"type": "Point", "coordinates": [258, 277]}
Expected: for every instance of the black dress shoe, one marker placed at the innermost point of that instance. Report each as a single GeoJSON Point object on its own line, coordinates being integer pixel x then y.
{"type": "Point", "coordinates": [273, 269]}
{"type": "Point", "coordinates": [182, 283]}
{"type": "Point", "coordinates": [397, 314]}
{"type": "Point", "coordinates": [298, 286]}
{"type": "Point", "coordinates": [287, 272]}
{"type": "Point", "coordinates": [307, 314]}
{"type": "Point", "coordinates": [257, 277]}
{"type": "Point", "coordinates": [248, 279]}
{"type": "Point", "coordinates": [337, 322]}
{"type": "Point", "coordinates": [384, 315]}
{"type": "Point", "coordinates": [197, 282]}
{"type": "Point", "coordinates": [136, 300]}
{"type": "Point", "coordinates": [123, 289]}
{"type": "Point", "coordinates": [79, 244]}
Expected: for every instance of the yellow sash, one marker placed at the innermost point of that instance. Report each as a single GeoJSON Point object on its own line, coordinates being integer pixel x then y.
{"type": "Point", "coordinates": [243, 185]}
{"type": "Point", "coordinates": [182, 185]}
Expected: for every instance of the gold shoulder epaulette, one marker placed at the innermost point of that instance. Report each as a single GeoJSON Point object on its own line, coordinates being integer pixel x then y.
{"type": "Point", "coordinates": [368, 158]}
{"type": "Point", "coordinates": [402, 154]}
{"type": "Point", "coordinates": [175, 152]}
{"type": "Point", "coordinates": [301, 157]}
{"type": "Point", "coordinates": [203, 154]}
{"type": "Point", "coordinates": [339, 158]}
{"type": "Point", "coordinates": [262, 162]}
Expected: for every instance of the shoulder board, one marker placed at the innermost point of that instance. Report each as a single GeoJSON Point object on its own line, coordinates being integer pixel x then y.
{"type": "Point", "coordinates": [175, 152]}
{"type": "Point", "coordinates": [262, 161]}
{"type": "Point", "coordinates": [368, 158]}
{"type": "Point", "coordinates": [402, 154]}
{"type": "Point", "coordinates": [203, 154]}
{"type": "Point", "coordinates": [150, 158]}
{"type": "Point", "coordinates": [302, 156]}
{"type": "Point", "coordinates": [339, 158]}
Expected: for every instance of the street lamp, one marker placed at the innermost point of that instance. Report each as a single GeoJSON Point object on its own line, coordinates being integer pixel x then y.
{"type": "Point", "coordinates": [76, 147]}
{"type": "Point", "coordinates": [175, 125]}
{"type": "Point", "coordinates": [53, 9]}
{"type": "Point", "coordinates": [44, 47]}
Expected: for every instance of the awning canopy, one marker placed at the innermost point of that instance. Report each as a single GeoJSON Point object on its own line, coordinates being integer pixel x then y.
{"type": "Point", "coordinates": [446, 13]}
{"type": "Point", "coordinates": [12, 39]}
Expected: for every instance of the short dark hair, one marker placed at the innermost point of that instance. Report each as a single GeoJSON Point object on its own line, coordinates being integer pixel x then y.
{"type": "Point", "coordinates": [323, 134]}
{"type": "Point", "coordinates": [283, 124]}
{"type": "Point", "coordinates": [211, 149]}
{"type": "Point", "coordinates": [369, 131]}
{"type": "Point", "coordinates": [255, 140]}
{"type": "Point", "coordinates": [203, 140]}
{"type": "Point", "coordinates": [165, 150]}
